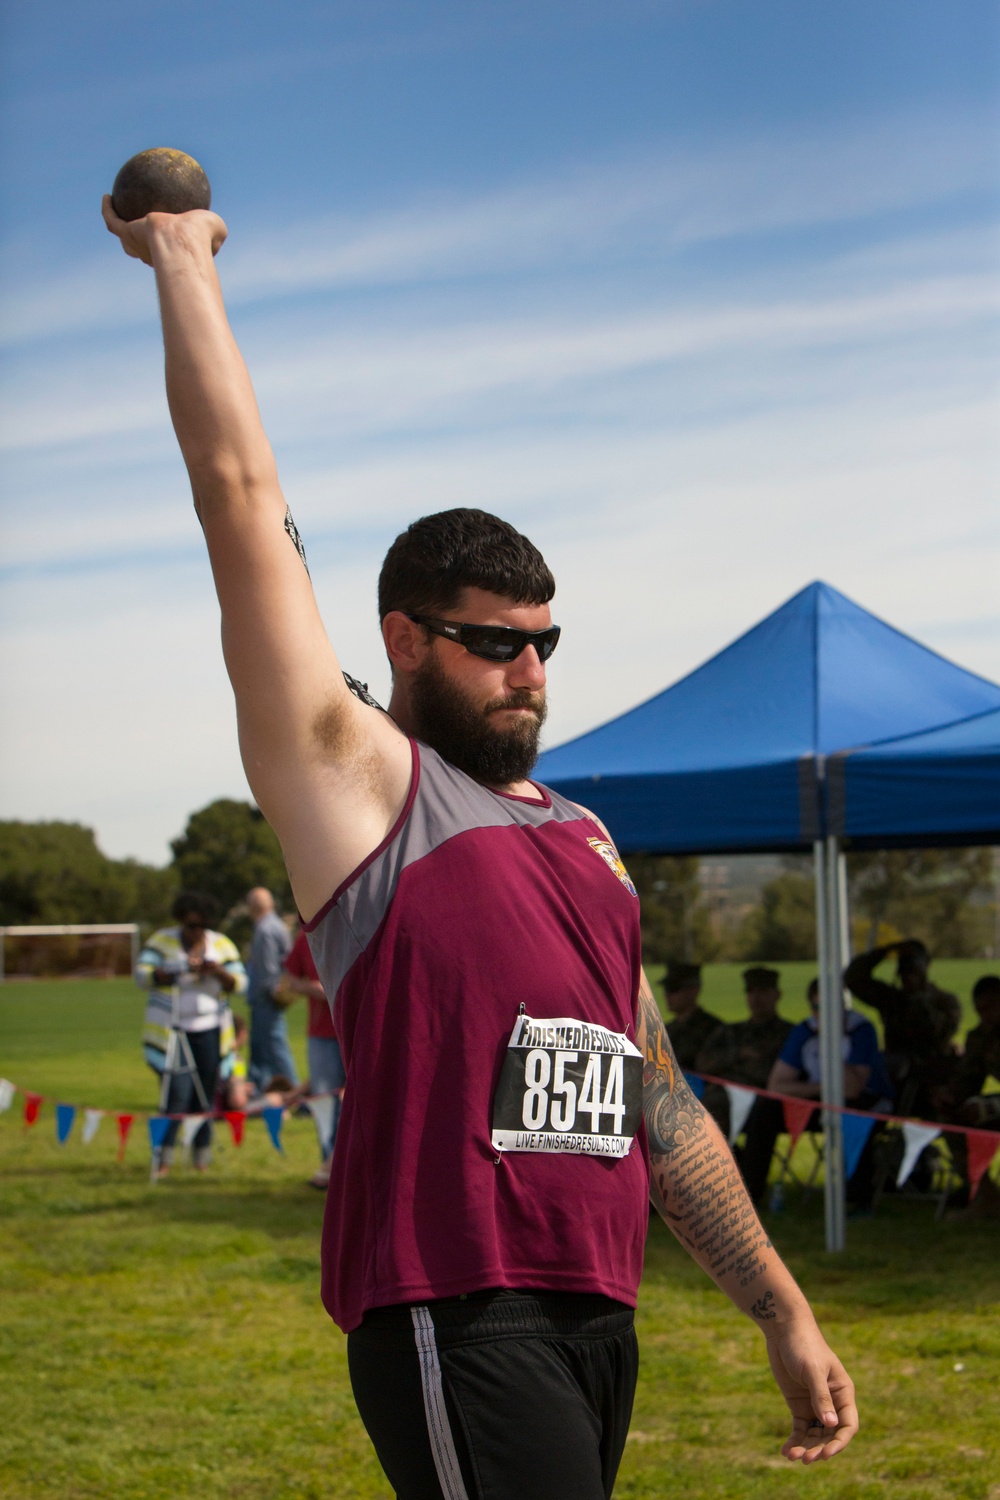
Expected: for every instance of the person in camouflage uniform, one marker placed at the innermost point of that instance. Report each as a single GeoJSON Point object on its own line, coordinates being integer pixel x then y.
{"type": "Point", "coordinates": [967, 1104]}
{"type": "Point", "coordinates": [919, 1020]}
{"type": "Point", "coordinates": [745, 1051]}
{"type": "Point", "coordinates": [691, 1027]}
{"type": "Point", "coordinates": [970, 1106]}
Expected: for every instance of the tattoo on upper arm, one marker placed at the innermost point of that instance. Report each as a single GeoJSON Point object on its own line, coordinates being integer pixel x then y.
{"type": "Point", "coordinates": [673, 1116]}
{"type": "Point", "coordinates": [293, 532]}
{"type": "Point", "coordinates": [695, 1182]}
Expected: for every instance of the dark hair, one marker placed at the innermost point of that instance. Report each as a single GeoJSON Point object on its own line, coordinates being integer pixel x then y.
{"type": "Point", "coordinates": [912, 954]}
{"type": "Point", "coordinates": [813, 989]}
{"type": "Point", "coordinates": [434, 560]}
{"type": "Point", "coordinates": [987, 988]}
{"type": "Point", "coordinates": [200, 901]}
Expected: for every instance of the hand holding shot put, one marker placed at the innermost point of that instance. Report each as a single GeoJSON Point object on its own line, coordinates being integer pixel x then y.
{"type": "Point", "coordinates": [512, 1099]}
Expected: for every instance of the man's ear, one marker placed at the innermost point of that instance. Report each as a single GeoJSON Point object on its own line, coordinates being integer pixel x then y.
{"type": "Point", "coordinates": [406, 643]}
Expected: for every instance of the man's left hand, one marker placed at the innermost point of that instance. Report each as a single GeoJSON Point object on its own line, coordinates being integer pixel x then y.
{"type": "Point", "coordinates": [817, 1388]}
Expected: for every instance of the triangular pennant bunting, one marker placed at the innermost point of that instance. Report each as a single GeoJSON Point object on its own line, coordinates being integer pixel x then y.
{"type": "Point", "coordinates": [273, 1118]}
{"type": "Point", "coordinates": [981, 1150]}
{"type": "Point", "coordinates": [697, 1085]}
{"type": "Point", "coordinates": [917, 1138]}
{"type": "Point", "coordinates": [236, 1119]}
{"type": "Point", "coordinates": [91, 1119]}
{"type": "Point", "coordinates": [158, 1127]}
{"type": "Point", "coordinates": [65, 1115]}
{"type": "Point", "coordinates": [190, 1126]}
{"type": "Point", "coordinates": [798, 1113]}
{"type": "Point", "coordinates": [124, 1126]}
{"type": "Point", "coordinates": [32, 1104]}
{"type": "Point", "coordinates": [855, 1130]}
{"type": "Point", "coordinates": [741, 1102]}
{"type": "Point", "coordinates": [7, 1092]}
{"type": "Point", "coordinates": [321, 1109]}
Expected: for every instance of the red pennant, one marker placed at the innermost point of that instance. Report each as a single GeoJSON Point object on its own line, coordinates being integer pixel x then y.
{"type": "Point", "coordinates": [981, 1151]}
{"type": "Point", "coordinates": [797, 1115]}
{"type": "Point", "coordinates": [32, 1104]}
{"type": "Point", "coordinates": [124, 1126]}
{"type": "Point", "coordinates": [237, 1119]}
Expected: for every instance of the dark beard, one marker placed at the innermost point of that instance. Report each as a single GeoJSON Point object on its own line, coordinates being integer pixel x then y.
{"type": "Point", "coordinates": [464, 735]}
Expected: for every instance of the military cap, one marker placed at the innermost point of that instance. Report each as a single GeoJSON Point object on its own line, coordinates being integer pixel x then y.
{"type": "Point", "coordinates": [761, 979]}
{"type": "Point", "coordinates": [679, 976]}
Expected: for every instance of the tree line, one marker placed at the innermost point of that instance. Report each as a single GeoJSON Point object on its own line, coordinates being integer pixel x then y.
{"type": "Point", "coordinates": [52, 872]}
{"type": "Point", "coordinates": [55, 872]}
{"type": "Point", "coordinates": [946, 897]}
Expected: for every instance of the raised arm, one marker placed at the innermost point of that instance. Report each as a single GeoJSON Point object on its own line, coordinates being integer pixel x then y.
{"type": "Point", "coordinates": [697, 1190]}
{"type": "Point", "coordinates": [328, 772]}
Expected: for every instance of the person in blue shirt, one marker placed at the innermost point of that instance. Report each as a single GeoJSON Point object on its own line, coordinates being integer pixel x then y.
{"type": "Point", "coordinates": [796, 1072]}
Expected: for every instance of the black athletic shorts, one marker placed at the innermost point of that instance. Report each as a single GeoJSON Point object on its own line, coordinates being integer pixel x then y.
{"type": "Point", "coordinates": [497, 1395]}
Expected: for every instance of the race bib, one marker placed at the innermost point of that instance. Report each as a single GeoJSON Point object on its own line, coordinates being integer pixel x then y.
{"type": "Point", "coordinates": [568, 1086]}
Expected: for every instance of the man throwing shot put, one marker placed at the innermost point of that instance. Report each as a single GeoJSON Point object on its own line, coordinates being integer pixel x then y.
{"type": "Point", "coordinates": [512, 1099]}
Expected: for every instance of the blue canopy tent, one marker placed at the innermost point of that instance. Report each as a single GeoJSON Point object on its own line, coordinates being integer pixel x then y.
{"type": "Point", "coordinates": [735, 757]}
{"type": "Point", "coordinates": [938, 787]}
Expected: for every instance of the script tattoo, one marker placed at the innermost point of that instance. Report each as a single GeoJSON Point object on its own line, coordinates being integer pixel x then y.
{"type": "Point", "coordinates": [695, 1182]}
{"type": "Point", "coordinates": [762, 1307]}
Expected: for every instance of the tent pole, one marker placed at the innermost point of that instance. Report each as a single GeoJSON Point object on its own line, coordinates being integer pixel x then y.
{"type": "Point", "coordinates": [831, 1032]}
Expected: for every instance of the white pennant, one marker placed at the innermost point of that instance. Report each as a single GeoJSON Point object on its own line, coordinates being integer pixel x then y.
{"type": "Point", "coordinates": [6, 1094]}
{"type": "Point", "coordinates": [321, 1109]}
{"type": "Point", "coordinates": [190, 1127]}
{"type": "Point", "coordinates": [917, 1137]}
{"type": "Point", "coordinates": [741, 1102]}
{"type": "Point", "coordinates": [91, 1119]}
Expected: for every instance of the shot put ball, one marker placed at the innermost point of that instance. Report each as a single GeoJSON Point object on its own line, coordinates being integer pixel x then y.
{"type": "Point", "coordinates": [159, 181]}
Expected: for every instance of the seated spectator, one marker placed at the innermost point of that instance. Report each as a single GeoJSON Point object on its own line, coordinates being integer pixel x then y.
{"type": "Point", "coordinates": [964, 1102]}
{"type": "Point", "coordinates": [920, 1022]}
{"type": "Point", "coordinates": [970, 1106]}
{"type": "Point", "coordinates": [236, 1089]}
{"type": "Point", "coordinates": [796, 1072]}
{"type": "Point", "coordinates": [326, 1066]}
{"type": "Point", "coordinates": [691, 1027]}
{"type": "Point", "coordinates": [744, 1051]}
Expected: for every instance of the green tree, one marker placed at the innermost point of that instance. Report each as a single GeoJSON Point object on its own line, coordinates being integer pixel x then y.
{"type": "Point", "coordinates": [783, 926]}
{"type": "Point", "coordinates": [946, 897]}
{"type": "Point", "coordinates": [674, 921]}
{"type": "Point", "coordinates": [54, 872]}
{"type": "Point", "coordinates": [226, 848]}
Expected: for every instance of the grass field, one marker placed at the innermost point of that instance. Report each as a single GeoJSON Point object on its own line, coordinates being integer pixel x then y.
{"type": "Point", "coordinates": [166, 1342]}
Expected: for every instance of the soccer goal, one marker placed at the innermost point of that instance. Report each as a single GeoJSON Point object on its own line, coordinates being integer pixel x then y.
{"type": "Point", "coordinates": [77, 950]}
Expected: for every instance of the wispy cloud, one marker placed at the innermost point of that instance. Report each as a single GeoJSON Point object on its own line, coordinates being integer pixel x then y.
{"type": "Point", "coordinates": [659, 204]}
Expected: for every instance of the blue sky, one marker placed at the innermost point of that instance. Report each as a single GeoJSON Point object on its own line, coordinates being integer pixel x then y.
{"type": "Point", "coordinates": [703, 296]}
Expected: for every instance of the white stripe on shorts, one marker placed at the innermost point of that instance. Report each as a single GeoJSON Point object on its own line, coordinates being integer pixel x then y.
{"type": "Point", "coordinates": [438, 1427]}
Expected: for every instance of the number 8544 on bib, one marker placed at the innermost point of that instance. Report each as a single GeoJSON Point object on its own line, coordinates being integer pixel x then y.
{"type": "Point", "coordinates": [568, 1086]}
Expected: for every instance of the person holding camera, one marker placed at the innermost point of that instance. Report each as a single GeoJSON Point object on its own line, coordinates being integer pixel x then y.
{"type": "Point", "coordinates": [190, 972]}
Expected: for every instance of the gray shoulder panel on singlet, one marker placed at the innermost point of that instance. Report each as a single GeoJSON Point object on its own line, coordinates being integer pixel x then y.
{"type": "Point", "coordinates": [447, 802]}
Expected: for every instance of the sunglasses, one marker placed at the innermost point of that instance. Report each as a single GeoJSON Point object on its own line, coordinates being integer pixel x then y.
{"type": "Point", "coordinates": [492, 642]}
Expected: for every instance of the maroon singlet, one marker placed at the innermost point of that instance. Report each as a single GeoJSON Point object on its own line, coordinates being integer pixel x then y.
{"type": "Point", "coordinates": [477, 908]}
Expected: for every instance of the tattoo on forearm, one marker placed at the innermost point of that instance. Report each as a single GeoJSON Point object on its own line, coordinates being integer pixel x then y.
{"type": "Point", "coordinates": [762, 1307]}
{"type": "Point", "coordinates": [695, 1182]}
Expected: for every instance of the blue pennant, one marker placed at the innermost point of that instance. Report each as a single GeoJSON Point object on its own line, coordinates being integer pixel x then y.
{"type": "Point", "coordinates": [697, 1085]}
{"type": "Point", "coordinates": [273, 1117]}
{"type": "Point", "coordinates": [65, 1115]}
{"type": "Point", "coordinates": [855, 1129]}
{"type": "Point", "coordinates": [158, 1127]}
